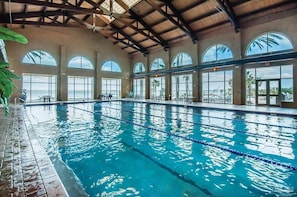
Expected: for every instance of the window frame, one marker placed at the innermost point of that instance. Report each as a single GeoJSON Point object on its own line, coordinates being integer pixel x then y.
{"type": "Point", "coordinates": [51, 83]}
{"type": "Point", "coordinates": [80, 62]}
{"type": "Point", "coordinates": [111, 67]}
{"type": "Point", "coordinates": [181, 55]}
{"type": "Point", "coordinates": [208, 50]}
{"type": "Point", "coordinates": [139, 68]}
{"type": "Point", "coordinates": [88, 87]}
{"type": "Point", "coordinates": [266, 34]}
{"type": "Point", "coordinates": [157, 61]}
{"type": "Point", "coordinates": [31, 56]}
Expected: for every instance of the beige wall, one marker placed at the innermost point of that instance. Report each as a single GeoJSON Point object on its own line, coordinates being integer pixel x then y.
{"type": "Point", "coordinates": [64, 44]}
{"type": "Point", "coordinates": [238, 43]}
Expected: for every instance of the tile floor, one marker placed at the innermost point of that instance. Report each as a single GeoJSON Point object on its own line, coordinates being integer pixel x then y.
{"type": "Point", "coordinates": [25, 169]}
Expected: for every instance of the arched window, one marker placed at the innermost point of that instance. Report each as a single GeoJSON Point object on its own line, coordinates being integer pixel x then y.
{"type": "Point", "coordinates": [216, 53]}
{"type": "Point", "coordinates": [157, 64]}
{"type": "Point", "coordinates": [80, 62]}
{"type": "Point", "coordinates": [139, 67]}
{"type": "Point", "coordinates": [268, 43]}
{"type": "Point", "coordinates": [39, 57]}
{"type": "Point", "coordinates": [182, 59]}
{"type": "Point", "coordinates": [111, 66]}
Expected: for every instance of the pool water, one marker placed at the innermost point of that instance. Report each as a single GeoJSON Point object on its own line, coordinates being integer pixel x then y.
{"type": "Point", "coordinates": [141, 149]}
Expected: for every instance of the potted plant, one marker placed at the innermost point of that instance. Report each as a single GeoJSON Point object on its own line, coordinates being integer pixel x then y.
{"type": "Point", "coordinates": [6, 76]}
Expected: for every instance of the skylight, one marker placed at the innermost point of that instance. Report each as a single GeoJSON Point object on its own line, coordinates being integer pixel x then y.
{"type": "Point", "coordinates": [117, 8]}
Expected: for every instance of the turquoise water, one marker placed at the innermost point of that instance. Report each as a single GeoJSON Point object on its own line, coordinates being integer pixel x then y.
{"type": "Point", "coordinates": [140, 149]}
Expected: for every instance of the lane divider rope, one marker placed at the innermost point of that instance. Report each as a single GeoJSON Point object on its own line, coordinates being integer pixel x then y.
{"type": "Point", "coordinates": [214, 126]}
{"type": "Point", "coordinates": [290, 167]}
{"type": "Point", "coordinates": [236, 119]}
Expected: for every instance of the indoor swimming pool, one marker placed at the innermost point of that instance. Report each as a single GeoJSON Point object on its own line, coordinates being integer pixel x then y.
{"type": "Point", "coordinates": [144, 149]}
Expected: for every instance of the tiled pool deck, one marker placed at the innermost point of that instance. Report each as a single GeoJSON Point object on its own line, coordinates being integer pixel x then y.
{"type": "Point", "coordinates": [25, 169]}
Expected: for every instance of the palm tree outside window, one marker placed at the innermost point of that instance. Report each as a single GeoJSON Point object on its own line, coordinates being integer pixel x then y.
{"type": "Point", "coordinates": [269, 43]}
{"type": "Point", "coordinates": [182, 59]}
{"type": "Point", "coordinates": [157, 88]}
{"type": "Point", "coordinates": [157, 64]}
{"type": "Point", "coordinates": [39, 57]}
{"type": "Point", "coordinates": [217, 52]}
{"type": "Point", "coordinates": [138, 68]}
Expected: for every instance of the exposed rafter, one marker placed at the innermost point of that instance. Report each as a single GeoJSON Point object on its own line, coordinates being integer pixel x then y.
{"type": "Point", "coordinates": [156, 7]}
{"type": "Point", "coordinates": [95, 5]}
{"type": "Point", "coordinates": [153, 35]}
{"type": "Point", "coordinates": [162, 42]}
{"type": "Point", "coordinates": [145, 25]}
{"type": "Point", "coordinates": [28, 15]}
{"type": "Point", "coordinates": [78, 4]}
{"type": "Point", "coordinates": [183, 22]}
{"type": "Point", "coordinates": [18, 18]}
{"type": "Point", "coordinates": [41, 19]}
{"type": "Point", "coordinates": [139, 47]}
{"type": "Point", "coordinates": [171, 19]}
{"type": "Point", "coordinates": [25, 12]}
{"type": "Point", "coordinates": [57, 5]}
{"type": "Point", "coordinates": [122, 4]}
{"type": "Point", "coordinates": [140, 31]}
{"type": "Point", "coordinates": [37, 23]}
{"type": "Point", "coordinates": [225, 6]}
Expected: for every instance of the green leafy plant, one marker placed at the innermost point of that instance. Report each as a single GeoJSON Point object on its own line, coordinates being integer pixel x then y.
{"type": "Point", "coordinates": [7, 34]}
{"type": "Point", "coordinates": [6, 85]}
{"type": "Point", "coordinates": [6, 76]}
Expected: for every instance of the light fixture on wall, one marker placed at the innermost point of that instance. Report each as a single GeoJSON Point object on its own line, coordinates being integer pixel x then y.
{"type": "Point", "coordinates": [214, 68]}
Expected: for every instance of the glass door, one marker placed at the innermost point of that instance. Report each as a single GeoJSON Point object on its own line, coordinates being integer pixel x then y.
{"type": "Point", "coordinates": [268, 92]}
{"type": "Point", "coordinates": [274, 92]}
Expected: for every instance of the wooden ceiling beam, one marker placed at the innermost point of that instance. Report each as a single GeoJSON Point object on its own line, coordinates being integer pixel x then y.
{"type": "Point", "coordinates": [192, 6]}
{"type": "Point", "coordinates": [56, 5]}
{"type": "Point", "coordinates": [180, 18]}
{"type": "Point", "coordinates": [123, 5]}
{"type": "Point", "coordinates": [127, 24]}
{"type": "Point", "coordinates": [25, 12]}
{"type": "Point", "coordinates": [127, 37]}
{"type": "Point", "coordinates": [78, 4]}
{"type": "Point", "coordinates": [140, 48]}
{"type": "Point", "coordinates": [27, 15]}
{"type": "Point", "coordinates": [127, 43]}
{"type": "Point", "coordinates": [37, 23]}
{"type": "Point", "coordinates": [166, 15]}
{"type": "Point", "coordinates": [162, 42]}
{"type": "Point", "coordinates": [227, 8]}
{"type": "Point", "coordinates": [170, 18]}
{"type": "Point", "coordinates": [95, 6]}
{"type": "Point", "coordinates": [2, 7]}
{"type": "Point", "coordinates": [41, 19]}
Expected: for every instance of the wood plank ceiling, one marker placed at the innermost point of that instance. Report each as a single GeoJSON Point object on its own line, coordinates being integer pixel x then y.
{"type": "Point", "coordinates": [139, 26]}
